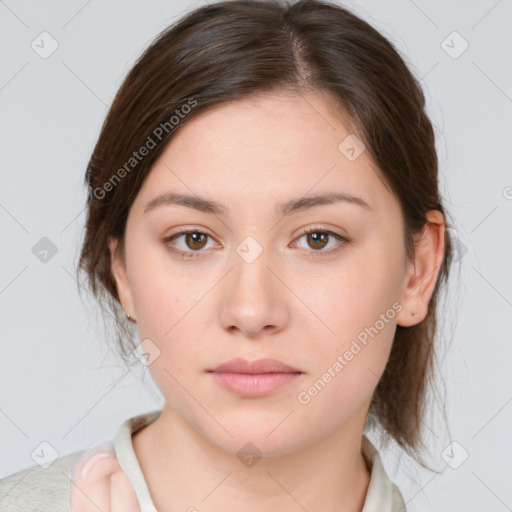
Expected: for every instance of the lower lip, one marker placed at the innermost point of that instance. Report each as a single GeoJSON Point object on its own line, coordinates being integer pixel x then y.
{"type": "Point", "coordinates": [253, 385]}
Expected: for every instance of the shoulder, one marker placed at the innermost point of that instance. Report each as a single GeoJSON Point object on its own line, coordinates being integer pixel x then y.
{"type": "Point", "coordinates": [39, 489]}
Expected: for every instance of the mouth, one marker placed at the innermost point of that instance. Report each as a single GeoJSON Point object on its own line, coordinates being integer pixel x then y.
{"type": "Point", "coordinates": [252, 379]}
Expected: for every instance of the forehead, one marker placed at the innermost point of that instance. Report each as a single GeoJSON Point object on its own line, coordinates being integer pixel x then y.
{"type": "Point", "coordinates": [266, 148]}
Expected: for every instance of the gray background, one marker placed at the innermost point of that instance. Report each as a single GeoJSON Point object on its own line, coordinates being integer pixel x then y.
{"type": "Point", "coordinates": [59, 383]}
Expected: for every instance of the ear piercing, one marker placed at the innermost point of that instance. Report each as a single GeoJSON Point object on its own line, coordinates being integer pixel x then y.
{"type": "Point", "coordinates": [414, 315]}
{"type": "Point", "coordinates": [128, 317]}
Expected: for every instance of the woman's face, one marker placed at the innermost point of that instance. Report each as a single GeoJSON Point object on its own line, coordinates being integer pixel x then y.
{"type": "Point", "coordinates": [249, 284]}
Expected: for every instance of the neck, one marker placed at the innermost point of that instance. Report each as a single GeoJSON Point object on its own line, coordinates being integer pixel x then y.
{"type": "Point", "coordinates": [183, 470]}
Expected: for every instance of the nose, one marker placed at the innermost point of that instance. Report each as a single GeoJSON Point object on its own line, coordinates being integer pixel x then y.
{"type": "Point", "coordinates": [254, 299]}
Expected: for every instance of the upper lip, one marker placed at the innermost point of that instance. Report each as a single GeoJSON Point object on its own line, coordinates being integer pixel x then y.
{"type": "Point", "coordinates": [240, 365]}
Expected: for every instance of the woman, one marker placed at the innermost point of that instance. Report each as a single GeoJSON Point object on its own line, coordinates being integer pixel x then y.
{"type": "Point", "coordinates": [264, 221]}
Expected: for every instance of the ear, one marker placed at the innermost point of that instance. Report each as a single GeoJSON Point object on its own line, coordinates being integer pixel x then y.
{"type": "Point", "coordinates": [118, 268]}
{"type": "Point", "coordinates": [422, 275]}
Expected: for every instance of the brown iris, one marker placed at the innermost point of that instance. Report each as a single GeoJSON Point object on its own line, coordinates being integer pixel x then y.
{"type": "Point", "coordinates": [319, 239]}
{"type": "Point", "coordinates": [198, 240]}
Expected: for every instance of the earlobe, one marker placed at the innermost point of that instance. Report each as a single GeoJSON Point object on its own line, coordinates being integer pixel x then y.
{"type": "Point", "coordinates": [118, 269]}
{"type": "Point", "coordinates": [423, 271]}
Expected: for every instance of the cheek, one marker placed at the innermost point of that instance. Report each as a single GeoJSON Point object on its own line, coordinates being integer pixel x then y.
{"type": "Point", "coordinates": [168, 313]}
{"type": "Point", "coordinates": [159, 289]}
{"type": "Point", "coordinates": [358, 312]}
{"type": "Point", "coordinates": [170, 309]}
{"type": "Point", "coordinates": [167, 320]}
{"type": "Point", "coordinates": [353, 297]}
{"type": "Point", "coordinates": [346, 373]}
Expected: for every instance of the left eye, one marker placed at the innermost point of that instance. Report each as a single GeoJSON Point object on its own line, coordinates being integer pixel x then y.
{"type": "Point", "coordinates": [318, 239]}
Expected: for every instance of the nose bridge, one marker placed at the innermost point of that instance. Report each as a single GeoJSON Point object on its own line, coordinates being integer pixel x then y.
{"type": "Point", "coordinates": [253, 300]}
{"type": "Point", "coordinates": [251, 268]}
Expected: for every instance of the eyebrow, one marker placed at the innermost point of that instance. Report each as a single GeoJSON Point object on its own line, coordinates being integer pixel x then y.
{"type": "Point", "coordinates": [295, 205]}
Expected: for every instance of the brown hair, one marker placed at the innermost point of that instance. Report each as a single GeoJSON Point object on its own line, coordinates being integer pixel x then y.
{"type": "Point", "coordinates": [232, 50]}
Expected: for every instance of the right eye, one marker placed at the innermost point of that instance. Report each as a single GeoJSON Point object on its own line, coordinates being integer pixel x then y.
{"type": "Point", "coordinates": [193, 243]}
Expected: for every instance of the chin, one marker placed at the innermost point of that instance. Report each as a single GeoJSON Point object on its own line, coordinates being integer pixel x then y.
{"type": "Point", "coordinates": [256, 436]}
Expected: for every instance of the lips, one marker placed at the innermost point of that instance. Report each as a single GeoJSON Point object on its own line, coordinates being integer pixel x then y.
{"type": "Point", "coordinates": [254, 379]}
{"type": "Point", "coordinates": [259, 366]}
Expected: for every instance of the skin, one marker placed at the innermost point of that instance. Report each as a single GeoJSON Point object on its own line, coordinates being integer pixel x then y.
{"type": "Point", "coordinates": [251, 155]}
{"type": "Point", "coordinates": [99, 483]}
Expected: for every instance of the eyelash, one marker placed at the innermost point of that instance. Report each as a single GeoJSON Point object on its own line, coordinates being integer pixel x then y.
{"type": "Point", "coordinates": [312, 254]}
